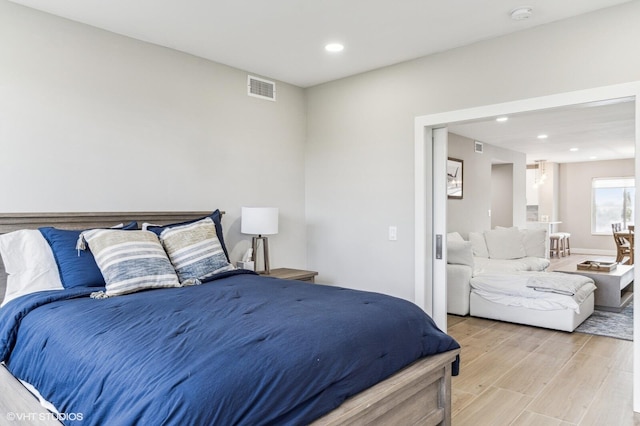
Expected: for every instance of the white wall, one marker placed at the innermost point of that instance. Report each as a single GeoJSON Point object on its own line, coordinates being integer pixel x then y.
{"type": "Point", "coordinates": [472, 212]}
{"type": "Point", "coordinates": [360, 159]}
{"type": "Point", "coordinates": [575, 201]}
{"type": "Point", "coordinates": [93, 121]}
{"type": "Point", "coordinates": [502, 195]}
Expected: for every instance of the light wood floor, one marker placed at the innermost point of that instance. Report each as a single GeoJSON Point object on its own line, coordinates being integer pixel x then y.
{"type": "Point", "coordinates": [519, 375]}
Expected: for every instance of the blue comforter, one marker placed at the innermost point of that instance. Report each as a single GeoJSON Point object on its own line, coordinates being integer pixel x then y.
{"type": "Point", "coordinates": [241, 349]}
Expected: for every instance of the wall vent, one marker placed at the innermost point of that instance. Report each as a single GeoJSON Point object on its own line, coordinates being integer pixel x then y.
{"type": "Point", "coordinates": [478, 147]}
{"type": "Point", "coordinates": [261, 88]}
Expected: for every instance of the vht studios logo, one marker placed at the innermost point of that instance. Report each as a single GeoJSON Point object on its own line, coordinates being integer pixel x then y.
{"type": "Point", "coordinates": [21, 417]}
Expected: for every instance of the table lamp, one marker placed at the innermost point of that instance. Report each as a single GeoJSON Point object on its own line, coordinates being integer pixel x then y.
{"type": "Point", "coordinates": [260, 221]}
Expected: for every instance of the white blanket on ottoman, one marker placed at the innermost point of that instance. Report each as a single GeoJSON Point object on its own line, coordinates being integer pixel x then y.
{"type": "Point", "coordinates": [544, 291]}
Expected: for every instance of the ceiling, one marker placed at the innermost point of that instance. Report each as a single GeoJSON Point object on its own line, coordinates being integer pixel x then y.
{"type": "Point", "coordinates": [600, 131]}
{"type": "Point", "coordinates": [285, 39]}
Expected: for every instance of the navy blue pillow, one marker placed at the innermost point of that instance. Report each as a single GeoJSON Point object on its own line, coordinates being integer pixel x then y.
{"type": "Point", "coordinates": [216, 216]}
{"type": "Point", "coordinates": [77, 268]}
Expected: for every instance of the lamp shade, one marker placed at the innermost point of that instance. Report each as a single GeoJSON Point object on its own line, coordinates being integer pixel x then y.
{"type": "Point", "coordinates": [259, 220]}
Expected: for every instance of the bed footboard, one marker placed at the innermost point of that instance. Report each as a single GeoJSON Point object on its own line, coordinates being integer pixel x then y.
{"type": "Point", "coordinates": [18, 406]}
{"type": "Point", "coordinates": [420, 394]}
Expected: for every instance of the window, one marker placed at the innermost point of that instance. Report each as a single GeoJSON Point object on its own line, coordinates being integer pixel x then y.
{"type": "Point", "coordinates": [612, 201]}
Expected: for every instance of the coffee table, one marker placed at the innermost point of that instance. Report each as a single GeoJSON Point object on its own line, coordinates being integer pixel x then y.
{"type": "Point", "coordinates": [615, 288]}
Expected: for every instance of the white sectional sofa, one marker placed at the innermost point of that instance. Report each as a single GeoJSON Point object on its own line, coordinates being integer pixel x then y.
{"type": "Point", "coordinates": [501, 250]}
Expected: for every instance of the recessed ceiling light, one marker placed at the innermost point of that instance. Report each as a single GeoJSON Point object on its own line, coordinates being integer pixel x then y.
{"type": "Point", "coordinates": [502, 119]}
{"type": "Point", "coordinates": [521, 13]}
{"type": "Point", "coordinates": [334, 47]}
{"type": "Point", "coordinates": [543, 136]}
{"type": "Point", "coordinates": [573, 149]}
{"type": "Point", "coordinates": [593, 157]}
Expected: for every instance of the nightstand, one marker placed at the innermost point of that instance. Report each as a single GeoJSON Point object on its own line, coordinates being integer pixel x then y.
{"type": "Point", "coordinates": [292, 274]}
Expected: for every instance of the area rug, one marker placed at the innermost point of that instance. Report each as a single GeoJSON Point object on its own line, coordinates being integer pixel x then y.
{"type": "Point", "coordinates": [610, 324]}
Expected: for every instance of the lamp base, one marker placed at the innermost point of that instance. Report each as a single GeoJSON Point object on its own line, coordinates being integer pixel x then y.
{"type": "Point", "coordinates": [265, 246]}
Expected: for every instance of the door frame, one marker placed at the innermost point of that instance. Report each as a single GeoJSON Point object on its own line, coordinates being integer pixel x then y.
{"type": "Point", "coordinates": [426, 289]}
{"type": "Point", "coordinates": [431, 220]}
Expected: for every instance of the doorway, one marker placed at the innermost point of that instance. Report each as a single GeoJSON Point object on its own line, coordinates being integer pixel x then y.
{"type": "Point", "coordinates": [502, 195]}
{"type": "Point", "coordinates": [424, 283]}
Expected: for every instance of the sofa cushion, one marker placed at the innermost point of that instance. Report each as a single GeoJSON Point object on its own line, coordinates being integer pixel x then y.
{"type": "Point", "coordinates": [534, 241]}
{"type": "Point", "coordinates": [458, 289]}
{"type": "Point", "coordinates": [454, 236]}
{"type": "Point", "coordinates": [478, 244]}
{"type": "Point", "coordinates": [505, 243]}
{"type": "Point", "coordinates": [491, 266]}
{"type": "Point", "coordinates": [535, 263]}
{"type": "Point", "coordinates": [459, 253]}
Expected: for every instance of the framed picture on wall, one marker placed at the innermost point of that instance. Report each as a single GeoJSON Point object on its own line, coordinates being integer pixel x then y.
{"type": "Point", "coordinates": [454, 178]}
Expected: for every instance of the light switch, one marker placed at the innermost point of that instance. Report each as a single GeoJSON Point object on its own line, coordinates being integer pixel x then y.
{"type": "Point", "coordinates": [489, 212]}
{"type": "Point", "coordinates": [393, 233]}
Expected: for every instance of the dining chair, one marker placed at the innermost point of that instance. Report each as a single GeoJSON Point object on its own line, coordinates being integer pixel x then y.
{"type": "Point", "coordinates": [624, 244]}
{"type": "Point", "coordinates": [631, 239]}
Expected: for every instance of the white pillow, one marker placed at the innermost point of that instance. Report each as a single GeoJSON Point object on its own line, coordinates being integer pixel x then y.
{"type": "Point", "coordinates": [29, 263]}
{"type": "Point", "coordinates": [459, 253]}
{"type": "Point", "coordinates": [454, 236]}
{"type": "Point", "coordinates": [505, 244]}
{"type": "Point", "coordinates": [534, 241]}
{"type": "Point", "coordinates": [478, 244]}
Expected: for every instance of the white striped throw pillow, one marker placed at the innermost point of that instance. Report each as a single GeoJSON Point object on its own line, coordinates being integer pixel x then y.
{"type": "Point", "coordinates": [195, 251]}
{"type": "Point", "coordinates": [130, 261]}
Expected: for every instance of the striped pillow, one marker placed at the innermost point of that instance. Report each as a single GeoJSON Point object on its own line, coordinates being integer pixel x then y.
{"type": "Point", "coordinates": [130, 261]}
{"type": "Point", "coordinates": [195, 251]}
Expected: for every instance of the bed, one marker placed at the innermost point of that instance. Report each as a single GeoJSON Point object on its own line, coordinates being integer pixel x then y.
{"type": "Point", "coordinates": [543, 299]}
{"type": "Point", "coordinates": [236, 348]}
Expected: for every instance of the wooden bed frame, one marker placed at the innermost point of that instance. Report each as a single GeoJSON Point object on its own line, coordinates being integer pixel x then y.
{"type": "Point", "coordinates": [418, 394]}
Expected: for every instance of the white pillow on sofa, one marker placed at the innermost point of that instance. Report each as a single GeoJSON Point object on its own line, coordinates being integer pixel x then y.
{"type": "Point", "coordinates": [534, 241]}
{"type": "Point", "coordinates": [478, 244]}
{"type": "Point", "coordinates": [505, 243]}
{"type": "Point", "coordinates": [459, 253]}
{"type": "Point", "coordinates": [454, 236]}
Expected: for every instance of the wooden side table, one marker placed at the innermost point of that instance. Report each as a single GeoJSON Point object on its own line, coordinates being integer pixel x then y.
{"type": "Point", "coordinates": [292, 274]}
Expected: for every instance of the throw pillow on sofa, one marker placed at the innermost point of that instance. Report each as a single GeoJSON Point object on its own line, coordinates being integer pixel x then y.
{"type": "Point", "coordinates": [454, 236]}
{"type": "Point", "coordinates": [459, 253]}
{"type": "Point", "coordinates": [505, 244]}
{"type": "Point", "coordinates": [534, 241]}
{"type": "Point", "coordinates": [478, 244]}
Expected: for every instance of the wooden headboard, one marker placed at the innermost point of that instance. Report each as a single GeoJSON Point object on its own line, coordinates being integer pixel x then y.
{"type": "Point", "coordinates": [10, 222]}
